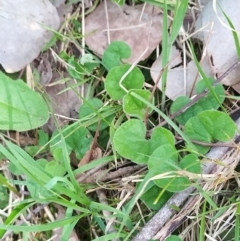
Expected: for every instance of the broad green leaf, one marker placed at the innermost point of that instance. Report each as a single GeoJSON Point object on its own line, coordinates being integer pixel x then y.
{"type": "Point", "coordinates": [115, 52]}
{"type": "Point", "coordinates": [151, 193]}
{"type": "Point", "coordinates": [92, 106]}
{"type": "Point", "coordinates": [58, 153]}
{"type": "Point", "coordinates": [201, 85]}
{"type": "Point", "coordinates": [173, 183]}
{"type": "Point", "coordinates": [134, 80]}
{"type": "Point", "coordinates": [75, 22]}
{"type": "Point", "coordinates": [160, 156]}
{"type": "Point", "coordinates": [129, 140]}
{"type": "Point", "coordinates": [77, 139]}
{"type": "Point", "coordinates": [161, 136]}
{"type": "Point", "coordinates": [55, 168]}
{"type": "Point", "coordinates": [135, 107]}
{"type": "Point", "coordinates": [191, 163]}
{"type": "Point", "coordinates": [21, 108]}
{"type": "Point", "coordinates": [207, 102]}
{"type": "Point", "coordinates": [209, 126]}
{"type": "Point", "coordinates": [164, 160]}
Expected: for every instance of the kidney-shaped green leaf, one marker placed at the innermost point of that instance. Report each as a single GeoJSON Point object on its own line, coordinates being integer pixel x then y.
{"type": "Point", "coordinates": [115, 52]}
{"type": "Point", "coordinates": [134, 106]}
{"type": "Point", "coordinates": [55, 168]}
{"type": "Point", "coordinates": [164, 160]}
{"type": "Point", "coordinates": [130, 142]}
{"type": "Point", "coordinates": [134, 80]}
{"type": "Point", "coordinates": [21, 108]}
{"type": "Point", "coordinates": [210, 125]}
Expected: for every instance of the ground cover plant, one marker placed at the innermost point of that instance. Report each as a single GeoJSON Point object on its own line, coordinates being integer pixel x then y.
{"type": "Point", "coordinates": [95, 145]}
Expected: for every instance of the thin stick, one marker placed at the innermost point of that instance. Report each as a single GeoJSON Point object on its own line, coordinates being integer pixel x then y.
{"type": "Point", "coordinates": [105, 175]}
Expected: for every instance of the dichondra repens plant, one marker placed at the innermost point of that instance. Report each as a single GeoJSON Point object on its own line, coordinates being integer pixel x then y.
{"type": "Point", "coordinates": [201, 122]}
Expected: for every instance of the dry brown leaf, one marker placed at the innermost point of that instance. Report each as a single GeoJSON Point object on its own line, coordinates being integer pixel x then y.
{"type": "Point", "coordinates": [175, 79]}
{"type": "Point", "coordinates": [66, 104]}
{"type": "Point", "coordinates": [175, 84]}
{"type": "Point", "coordinates": [23, 31]}
{"type": "Point", "coordinates": [218, 38]}
{"type": "Point", "coordinates": [139, 27]}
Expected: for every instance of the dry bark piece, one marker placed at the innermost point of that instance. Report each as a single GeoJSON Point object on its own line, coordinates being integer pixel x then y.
{"type": "Point", "coordinates": [23, 31]}
{"type": "Point", "coordinates": [139, 27]}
